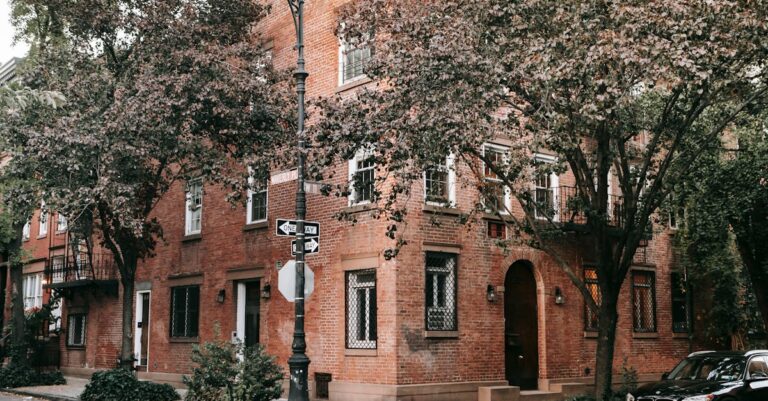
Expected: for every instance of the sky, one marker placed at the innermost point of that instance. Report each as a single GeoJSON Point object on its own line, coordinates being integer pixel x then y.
{"type": "Point", "coordinates": [7, 49]}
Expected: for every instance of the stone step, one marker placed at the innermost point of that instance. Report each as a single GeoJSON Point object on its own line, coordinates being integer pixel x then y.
{"type": "Point", "coordinates": [536, 395]}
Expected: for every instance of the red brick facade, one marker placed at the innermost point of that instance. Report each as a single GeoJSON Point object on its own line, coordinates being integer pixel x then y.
{"type": "Point", "coordinates": [229, 251]}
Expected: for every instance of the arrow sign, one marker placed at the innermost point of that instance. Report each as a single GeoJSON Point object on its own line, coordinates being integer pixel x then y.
{"type": "Point", "coordinates": [311, 245]}
{"type": "Point", "coordinates": [287, 228]}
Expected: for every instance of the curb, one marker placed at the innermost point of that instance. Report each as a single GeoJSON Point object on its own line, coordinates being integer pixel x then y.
{"type": "Point", "coordinates": [51, 397]}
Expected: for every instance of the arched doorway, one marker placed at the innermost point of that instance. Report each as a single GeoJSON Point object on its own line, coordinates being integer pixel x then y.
{"type": "Point", "coordinates": [521, 327]}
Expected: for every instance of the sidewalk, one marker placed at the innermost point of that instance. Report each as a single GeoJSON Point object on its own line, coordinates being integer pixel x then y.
{"type": "Point", "coordinates": [64, 392]}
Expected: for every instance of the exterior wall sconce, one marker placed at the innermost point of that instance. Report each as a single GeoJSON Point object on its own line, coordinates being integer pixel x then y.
{"type": "Point", "coordinates": [490, 293]}
{"type": "Point", "coordinates": [221, 295]}
{"type": "Point", "coordinates": [559, 297]}
{"type": "Point", "coordinates": [266, 291]}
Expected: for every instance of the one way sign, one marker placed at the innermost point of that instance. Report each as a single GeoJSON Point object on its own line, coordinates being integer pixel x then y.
{"type": "Point", "coordinates": [287, 228]}
{"type": "Point", "coordinates": [311, 245]}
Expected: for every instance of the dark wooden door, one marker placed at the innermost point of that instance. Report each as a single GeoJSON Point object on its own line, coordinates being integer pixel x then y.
{"type": "Point", "coordinates": [252, 314]}
{"type": "Point", "coordinates": [521, 327]}
{"type": "Point", "coordinates": [144, 324]}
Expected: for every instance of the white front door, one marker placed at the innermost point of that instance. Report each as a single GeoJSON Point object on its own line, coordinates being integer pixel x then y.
{"type": "Point", "coordinates": [248, 316]}
{"type": "Point", "coordinates": [141, 337]}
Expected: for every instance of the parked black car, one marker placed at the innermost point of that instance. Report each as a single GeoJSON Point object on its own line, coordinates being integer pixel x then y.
{"type": "Point", "coordinates": [712, 376]}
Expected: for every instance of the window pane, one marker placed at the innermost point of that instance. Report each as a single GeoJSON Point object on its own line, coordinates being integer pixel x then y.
{"type": "Point", "coordinates": [440, 291]}
{"type": "Point", "coordinates": [590, 280]}
{"type": "Point", "coordinates": [644, 308]}
{"type": "Point", "coordinates": [258, 205]}
{"type": "Point", "coordinates": [193, 307]}
{"type": "Point", "coordinates": [361, 309]}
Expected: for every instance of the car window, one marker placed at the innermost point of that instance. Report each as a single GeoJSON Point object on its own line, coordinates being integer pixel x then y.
{"type": "Point", "coordinates": [758, 368]}
{"type": "Point", "coordinates": [711, 368]}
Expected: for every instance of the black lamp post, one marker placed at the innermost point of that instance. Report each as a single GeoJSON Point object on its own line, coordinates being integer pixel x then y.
{"type": "Point", "coordinates": [298, 363]}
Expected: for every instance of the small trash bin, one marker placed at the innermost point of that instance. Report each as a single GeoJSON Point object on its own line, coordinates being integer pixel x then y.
{"type": "Point", "coordinates": [321, 385]}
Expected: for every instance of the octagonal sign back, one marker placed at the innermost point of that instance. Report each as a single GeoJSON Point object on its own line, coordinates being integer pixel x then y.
{"type": "Point", "coordinates": [286, 281]}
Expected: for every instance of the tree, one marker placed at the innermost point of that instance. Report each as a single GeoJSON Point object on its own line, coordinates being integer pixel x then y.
{"type": "Point", "coordinates": [728, 223]}
{"type": "Point", "coordinates": [607, 86]}
{"type": "Point", "coordinates": [158, 93]}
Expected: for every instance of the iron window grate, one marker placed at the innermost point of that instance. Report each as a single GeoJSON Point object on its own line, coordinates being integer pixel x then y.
{"type": "Point", "coordinates": [440, 292]}
{"type": "Point", "coordinates": [590, 281]}
{"type": "Point", "coordinates": [361, 331]}
{"type": "Point", "coordinates": [644, 301]}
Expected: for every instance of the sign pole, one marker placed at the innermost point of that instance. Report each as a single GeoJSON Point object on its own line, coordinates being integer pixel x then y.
{"type": "Point", "coordinates": [298, 363]}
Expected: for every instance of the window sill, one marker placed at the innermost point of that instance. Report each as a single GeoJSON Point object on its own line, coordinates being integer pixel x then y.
{"type": "Point", "coordinates": [42, 236]}
{"type": "Point", "coordinates": [25, 239]}
{"type": "Point", "coordinates": [364, 207]}
{"type": "Point", "coordinates": [360, 352]}
{"type": "Point", "coordinates": [353, 83]}
{"type": "Point", "coordinates": [184, 340]}
{"type": "Point", "coordinates": [192, 237]}
{"type": "Point", "coordinates": [590, 334]}
{"type": "Point", "coordinates": [441, 334]}
{"type": "Point", "coordinates": [256, 226]}
{"type": "Point", "coordinates": [645, 335]}
{"type": "Point", "coordinates": [441, 210]}
{"type": "Point", "coordinates": [75, 347]}
{"type": "Point", "coordinates": [490, 216]}
{"type": "Point", "coordinates": [681, 336]}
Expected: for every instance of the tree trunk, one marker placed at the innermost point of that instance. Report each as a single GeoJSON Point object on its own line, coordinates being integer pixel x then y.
{"type": "Point", "coordinates": [607, 319]}
{"type": "Point", "coordinates": [18, 356]}
{"type": "Point", "coordinates": [126, 349]}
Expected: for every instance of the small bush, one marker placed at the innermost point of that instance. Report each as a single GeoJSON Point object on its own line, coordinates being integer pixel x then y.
{"type": "Point", "coordinates": [222, 376]}
{"type": "Point", "coordinates": [12, 376]}
{"type": "Point", "coordinates": [121, 385]}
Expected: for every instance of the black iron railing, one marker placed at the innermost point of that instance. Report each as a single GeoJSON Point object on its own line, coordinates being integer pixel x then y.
{"type": "Point", "coordinates": [566, 205]}
{"type": "Point", "coordinates": [80, 267]}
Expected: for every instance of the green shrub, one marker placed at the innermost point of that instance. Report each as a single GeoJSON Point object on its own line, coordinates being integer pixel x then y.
{"type": "Point", "coordinates": [12, 376]}
{"type": "Point", "coordinates": [222, 376]}
{"type": "Point", "coordinates": [122, 385]}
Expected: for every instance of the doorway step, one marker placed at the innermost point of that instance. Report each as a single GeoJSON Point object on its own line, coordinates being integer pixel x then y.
{"type": "Point", "coordinates": [558, 392]}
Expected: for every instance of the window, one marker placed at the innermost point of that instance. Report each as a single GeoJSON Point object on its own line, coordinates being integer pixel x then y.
{"type": "Point", "coordinates": [25, 231]}
{"type": "Point", "coordinates": [194, 207]}
{"type": "Point", "coordinates": [440, 291]}
{"type": "Point", "coordinates": [679, 304]}
{"type": "Point", "coordinates": [545, 191]}
{"type": "Point", "coordinates": [590, 281]}
{"type": "Point", "coordinates": [644, 301]}
{"type": "Point", "coordinates": [185, 306]}
{"type": "Point", "coordinates": [353, 62]}
{"type": "Point", "coordinates": [496, 197]}
{"type": "Point", "coordinates": [257, 201]}
{"type": "Point", "coordinates": [43, 231]}
{"type": "Point", "coordinates": [33, 290]}
{"type": "Point", "coordinates": [76, 330]}
{"type": "Point", "coordinates": [676, 218]}
{"type": "Point", "coordinates": [361, 309]}
{"type": "Point", "coordinates": [439, 184]}
{"type": "Point", "coordinates": [758, 368]}
{"type": "Point", "coordinates": [61, 223]}
{"type": "Point", "coordinates": [497, 230]}
{"type": "Point", "coordinates": [362, 178]}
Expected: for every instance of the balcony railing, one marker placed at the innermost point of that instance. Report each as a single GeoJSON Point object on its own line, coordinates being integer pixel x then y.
{"type": "Point", "coordinates": [564, 205]}
{"type": "Point", "coordinates": [80, 269]}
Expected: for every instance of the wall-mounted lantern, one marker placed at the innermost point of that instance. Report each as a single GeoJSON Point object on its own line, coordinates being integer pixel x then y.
{"type": "Point", "coordinates": [490, 293]}
{"type": "Point", "coordinates": [559, 297]}
{"type": "Point", "coordinates": [221, 295]}
{"type": "Point", "coordinates": [266, 291]}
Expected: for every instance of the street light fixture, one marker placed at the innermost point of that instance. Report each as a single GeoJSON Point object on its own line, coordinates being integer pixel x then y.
{"type": "Point", "coordinates": [298, 363]}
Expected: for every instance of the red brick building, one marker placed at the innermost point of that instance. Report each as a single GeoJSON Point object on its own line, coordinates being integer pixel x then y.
{"type": "Point", "coordinates": [453, 312]}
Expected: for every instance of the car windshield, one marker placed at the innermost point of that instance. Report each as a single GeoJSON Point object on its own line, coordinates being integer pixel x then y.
{"type": "Point", "coordinates": [710, 368]}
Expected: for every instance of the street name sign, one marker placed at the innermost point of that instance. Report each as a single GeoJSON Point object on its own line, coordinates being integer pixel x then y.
{"type": "Point", "coordinates": [287, 228]}
{"type": "Point", "coordinates": [286, 281]}
{"type": "Point", "coordinates": [311, 245]}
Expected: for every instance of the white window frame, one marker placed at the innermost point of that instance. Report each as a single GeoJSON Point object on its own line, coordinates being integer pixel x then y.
{"type": "Point", "coordinates": [193, 212]}
{"type": "Point", "coordinates": [249, 203]}
{"type": "Point", "coordinates": [554, 184]}
{"type": "Point", "coordinates": [61, 223]}
{"type": "Point", "coordinates": [449, 167]}
{"type": "Point", "coordinates": [32, 287]}
{"type": "Point", "coordinates": [26, 231]}
{"type": "Point", "coordinates": [353, 320]}
{"type": "Point", "coordinates": [505, 189]}
{"type": "Point", "coordinates": [71, 329]}
{"type": "Point", "coordinates": [43, 220]}
{"type": "Point", "coordinates": [344, 49]}
{"type": "Point", "coordinates": [359, 156]}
